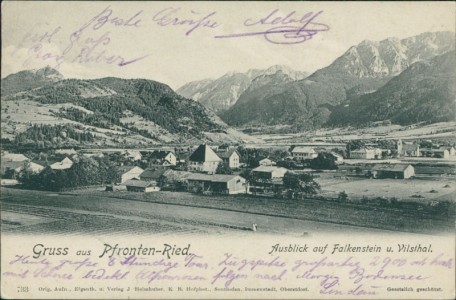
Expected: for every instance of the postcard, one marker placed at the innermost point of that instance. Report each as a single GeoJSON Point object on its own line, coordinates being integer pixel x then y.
{"type": "Point", "coordinates": [228, 150]}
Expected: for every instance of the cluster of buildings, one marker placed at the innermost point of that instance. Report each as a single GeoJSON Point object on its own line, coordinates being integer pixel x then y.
{"type": "Point", "coordinates": [195, 169]}
{"type": "Point", "coordinates": [413, 149]}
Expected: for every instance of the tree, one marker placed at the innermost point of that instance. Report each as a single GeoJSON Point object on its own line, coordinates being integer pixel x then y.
{"type": "Point", "coordinates": [223, 168]}
{"type": "Point", "coordinates": [342, 197]}
{"type": "Point", "coordinates": [303, 184]}
{"type": "Point", "coordinates": [324, 161]}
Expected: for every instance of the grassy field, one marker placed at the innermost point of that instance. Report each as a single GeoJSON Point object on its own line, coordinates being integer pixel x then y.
{"type": "Point", "coordinates": [308, 209]}
{"type": "Point", "coordinates": [356, 188]}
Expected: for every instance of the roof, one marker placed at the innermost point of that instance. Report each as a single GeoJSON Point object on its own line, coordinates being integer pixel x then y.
{"type": "Point", "coordinates": [151, 173]}
{"type": "Point", "coordinates": [337, 155]}
{"type": "Point", "coordinates": [303, 149]}
{"type": "Point", "coordinates": [176, 175]}
{"type": "Point", "coordinates": [14, 157]}
{"type": "Point", "coordinates": [213, 178]}
{"type": "Point", "coordinates": [203, 154]}
{"type": "Point", "coordinates": [36, 167]}
{"type": "Point", "coordinates": [125, 169]}
{"type": "Point", "coordinates": [268, 169]}
{"type": "Point", "coordinates": [66, 163]}
{"type": "Point", "coordinates": [390, 167]}
{"type": "Point", "coordinates": [132, 153]}
{"type": "Point", "coordinates": [227, 154]}
{"type": "Point", "coordinates": [266, 159]}
{"type": "Point", "coordinates": [137, 183]}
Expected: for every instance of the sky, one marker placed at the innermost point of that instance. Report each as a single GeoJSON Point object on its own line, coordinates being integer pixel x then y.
{"type": "Point", "coordinates": [179, 42]}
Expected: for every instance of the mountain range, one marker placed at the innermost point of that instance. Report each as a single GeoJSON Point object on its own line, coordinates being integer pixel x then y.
{"type": "Point", "coordinates": [425, 91]}
{"type": "Point", "coordinates": [362, 69]}
{"type": "Point", "coordinates": [405, 81]}
{"type": "Point", "coordinates": [222, 93]}
{"type": "Point", "coordinates": [115, 111]}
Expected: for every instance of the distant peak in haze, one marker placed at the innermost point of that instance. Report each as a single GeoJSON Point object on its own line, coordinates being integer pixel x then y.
{"type": "Point", "coordinates": [29, 79]}
{"type": "Point", "coordinates": [222, 93]}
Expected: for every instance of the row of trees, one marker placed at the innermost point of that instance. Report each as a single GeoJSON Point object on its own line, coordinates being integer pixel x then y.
{"type": "Point", "coordinates": [85, 171]}
{"type": "Point", "coordinates": [294, 185]}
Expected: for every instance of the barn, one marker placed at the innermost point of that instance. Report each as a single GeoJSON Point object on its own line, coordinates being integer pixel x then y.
{"type": "Point", "coordinates": [223, 184]}
{"type": "Point", "coordinates": [394, 171]}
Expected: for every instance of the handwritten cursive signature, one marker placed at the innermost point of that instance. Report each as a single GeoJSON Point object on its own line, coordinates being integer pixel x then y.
{"type": "Point", "coordinates": [170, 17]}
{"type": "Point", "coordinates": [286, 30]}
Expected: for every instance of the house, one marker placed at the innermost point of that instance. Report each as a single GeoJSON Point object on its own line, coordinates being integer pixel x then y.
{"type": "Point", "coordinates": [446, 152]}
{"type": "Point", "coordinates": [223, 184]}
{"type": "Point", "coordinates": [176, 179]}
{"type": "Point", "coordinates": [204, 159]}
{"type": "Point", "coordinates": [9, 169]}
{"type": "Point", "coordinates": [231, 157]}
{"type": "Point", "coordinates": [129, 172]}
{"type": "Point", "coordinates": [152, 175]}
{"type": "Point", "coordinates": [395, 171]}
{"type": "Point", "coordinates": [12, 168]}
{"type": "Point", "coordinates": [163, 158]}
{"type": "Point", "coordinates": [269, 172]}
{"type": "Point", "coordinates": [338, 158]}
{"type": "Point", "coordinates": [408, 149]}
{"type": "Point", "coordinates": [135, 185]}
{"type": "Point", "coordinates": [366, 153]}
{"type": "Point", "coordinates": [301, 152]}
{"type": "Point", "coordinates": [66, 163]}
{"type": "Point", "coordinates": [266, 162]}
{"type": "Point", "coordinates": [441, 152]}
{"type": "Point", "coordinates": [132, 154]}
{"type": "Point", "coordinates": [452, 151]}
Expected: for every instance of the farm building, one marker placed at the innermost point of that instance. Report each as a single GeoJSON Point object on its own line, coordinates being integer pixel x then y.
{"type": "Point", "coordinates": [135, 185]}
{"type": "Point", "coordinates": [266, 162]}
{"type": "Point", "coordinates": [269, 172]}
{"type": "Point", "coordinates": [175, 179]}
{"type": "Point", "coordinates": [164, 158]}
{"type": "Point", "coordinates": [366, 153]}
{"type": "Point", "coordinates": [204, 159]}
{"type": "Point", "coordinates": [152, 175]}
{"type": "Point", "coordinates": [231, 157]}
{"type": "Point", "coordinates": [304, 152]}
{"type": "Point", "coordinates": [129, 172]}
{"type": "Point", "coordinates": [223, 184]}
{"type": "Point", "coordinates": [132, 154]}
{"type": "Point", "coordinates": [393, 171]}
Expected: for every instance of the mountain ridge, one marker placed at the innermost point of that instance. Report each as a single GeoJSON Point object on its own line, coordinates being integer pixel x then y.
{"type": "Point", "coordinates": [112, 105]}
{"type": "Point", "coordinates": [361, 69]}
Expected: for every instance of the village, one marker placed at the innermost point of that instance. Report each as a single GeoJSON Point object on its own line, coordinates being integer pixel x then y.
{"type": "Point", "coordinates": [322, 169]}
